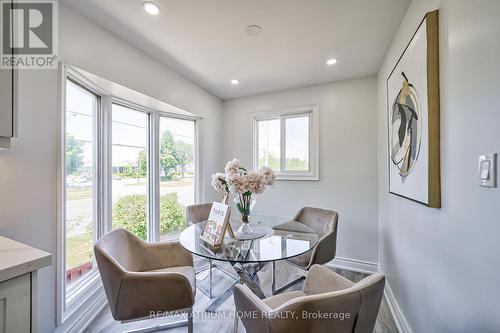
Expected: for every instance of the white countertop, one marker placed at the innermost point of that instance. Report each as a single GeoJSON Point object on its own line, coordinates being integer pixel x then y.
{"type": "Point", "coordinates": [17, 259]}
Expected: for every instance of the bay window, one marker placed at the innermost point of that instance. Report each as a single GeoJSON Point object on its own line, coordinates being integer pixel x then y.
{"type": "Point", "coordinates": [122, 165]}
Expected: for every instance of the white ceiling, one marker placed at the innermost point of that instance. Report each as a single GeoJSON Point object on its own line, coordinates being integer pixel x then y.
{"type": "Point", "coordinates": [205, 40]}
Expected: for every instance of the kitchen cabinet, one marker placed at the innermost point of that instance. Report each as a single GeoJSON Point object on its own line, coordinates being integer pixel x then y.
{"type": "Point", "coordinates": [8, 97]}
{"type": "Point", "coordinates": [7, 106]}
{"type": "Point", "coordinates": [19, 264]}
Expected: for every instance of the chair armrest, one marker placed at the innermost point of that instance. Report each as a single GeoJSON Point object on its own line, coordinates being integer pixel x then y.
{"type": "Point", "coordinates": [322, 280]}
{"type": "Point", "coordinates": [254, 311]}
{"type": "Point", "coordinates": [246, 300]}
{"type": "Point", "coordinates": [142, 293]}
{"type": "Point", "coordinates": [163, 255]}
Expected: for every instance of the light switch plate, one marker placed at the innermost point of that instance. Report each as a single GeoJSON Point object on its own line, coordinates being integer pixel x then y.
{"type": "Point", "coordinates": [488, 170]}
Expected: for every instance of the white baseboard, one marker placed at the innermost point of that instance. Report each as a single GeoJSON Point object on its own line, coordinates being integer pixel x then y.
{"type": "Point", "coordinates": [355, 265]}
{"type": "Point", "coordinates": [398, 316]}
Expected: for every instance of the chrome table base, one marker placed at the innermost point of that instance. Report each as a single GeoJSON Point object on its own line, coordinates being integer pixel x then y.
{"type": "Point", "coordinates": [246, 274]}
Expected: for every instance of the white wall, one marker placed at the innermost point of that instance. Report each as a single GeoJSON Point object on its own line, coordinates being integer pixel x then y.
{"type": "Point", "coordinates": [443, 264]}
{"type": "Point", "coordinates": [348, 176]}
{"type": "Point", "coordinates": [28, 180]}
{"type": "Point", "coordinates": [28, 170]}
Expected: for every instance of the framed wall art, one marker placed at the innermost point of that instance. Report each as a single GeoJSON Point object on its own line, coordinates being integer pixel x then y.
{"type": "Point", "coordinates": [413, 118]}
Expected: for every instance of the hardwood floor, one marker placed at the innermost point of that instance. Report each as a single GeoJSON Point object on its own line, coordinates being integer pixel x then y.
{"type": "Point", "coordinates": [221, 321]}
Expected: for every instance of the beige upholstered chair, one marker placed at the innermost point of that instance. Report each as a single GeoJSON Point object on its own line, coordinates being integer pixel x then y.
{"type": "Point", "coordinates": [140, 278]}
{"type": "Point", "coordinates": [324, 223]}
{"type": "Point", "coordinates": [345, 306]}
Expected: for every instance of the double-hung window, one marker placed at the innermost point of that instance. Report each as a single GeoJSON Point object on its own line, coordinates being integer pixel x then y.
{"type": "Point", "coordinates": [287, 142]}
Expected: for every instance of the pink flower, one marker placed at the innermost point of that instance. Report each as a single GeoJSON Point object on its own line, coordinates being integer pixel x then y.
{"type": "Point", "coordinates": [256, 182]}
{"type": "Point", "coordinates": [268, 175]}
{"type": "Point", "coordinates": [232, 169]}
{"type": "Point", "coordinates": [218, 181]}
{"type": "Point", "coordinates": [239, 184]}
{"type": "Point", "coordinates": [238, 180]}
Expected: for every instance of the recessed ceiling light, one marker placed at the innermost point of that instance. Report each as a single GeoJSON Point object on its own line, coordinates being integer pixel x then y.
{"type": "Point", "coordinates": [235, 82]}
{"type": "Point", "coordinates": [332, 61]}
{"type": "Point", "coordinates": [253, 30]}
{"type": "Point", "coordinates": [151, 7]}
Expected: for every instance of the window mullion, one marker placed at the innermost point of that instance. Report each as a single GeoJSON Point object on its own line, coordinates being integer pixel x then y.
{"type": "Point", "coordinates": [312, 145]}
{"type": "Point", "coordinates": [255, 143]}
{"type": "Point", "coordinates": [154, 177]}
{"type": "Point", "coordinates": [96, 170]}
{"type": "Point", "coordinates": [282, 144]}
{"type": "Point", "coordinates": [198, 188]}
{"type": "Point", "coordinates": [107, 168]}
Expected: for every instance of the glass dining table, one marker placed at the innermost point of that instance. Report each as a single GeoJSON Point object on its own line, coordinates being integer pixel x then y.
{"type": "Point", "coordinates": [283, 239]}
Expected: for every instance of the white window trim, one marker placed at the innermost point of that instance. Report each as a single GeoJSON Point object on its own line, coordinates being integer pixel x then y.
{"type": "Point", "coordinates": [283, 114]}
{"type": "Point", "coordinates": [90, 286]}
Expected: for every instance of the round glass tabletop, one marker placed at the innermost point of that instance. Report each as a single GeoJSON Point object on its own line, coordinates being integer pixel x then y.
{"type": "Point", "coordinates": [284, 239]}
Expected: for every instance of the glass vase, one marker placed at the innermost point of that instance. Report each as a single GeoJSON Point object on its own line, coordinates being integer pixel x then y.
{"type": "Point", "coordinates": [245, 203]}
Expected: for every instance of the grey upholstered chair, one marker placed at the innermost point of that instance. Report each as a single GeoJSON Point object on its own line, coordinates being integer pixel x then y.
{"type": "Point", "coordinates": [347, 307]}
{"type": "Point", "coordinates": [140, 278]}
{"type": "Point", "coordinates": [196, 214]}
{"type": "Point", "coordinates": [324, 223]}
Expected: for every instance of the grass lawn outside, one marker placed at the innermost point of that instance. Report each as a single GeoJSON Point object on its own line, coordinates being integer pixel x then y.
{"type": "Point", "coordinates": [177, 183]}
{"type": "Point", "coordinates": [79, 250]}
{"type": "Point", "coordinates": [79, 247]}
{"type": "Point", "coordinates": [78, 194]}
{"type": "Point", "coordinates": [166, 183]}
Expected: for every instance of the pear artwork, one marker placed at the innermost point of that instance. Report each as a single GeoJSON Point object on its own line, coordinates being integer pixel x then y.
{"type": "Point", "coordinates": [405, 129]}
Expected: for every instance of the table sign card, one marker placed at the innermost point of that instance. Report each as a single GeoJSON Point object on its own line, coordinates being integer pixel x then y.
{"type": "Point", "coordinates": [217, 224]}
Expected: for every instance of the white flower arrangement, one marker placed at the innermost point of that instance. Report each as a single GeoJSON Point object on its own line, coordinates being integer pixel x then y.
{"type": "Point", "coordinates": [238, 180]}
{"type": "Point", "coordinates": [243, 183]}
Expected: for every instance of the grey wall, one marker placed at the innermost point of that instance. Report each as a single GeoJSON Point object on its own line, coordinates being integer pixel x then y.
{"type": "Point", "coordinates": [442, 264]}
{"type": "Point", "coordinates": [348, 177]}
{"type": "Point", "coordinates": [28, 203]}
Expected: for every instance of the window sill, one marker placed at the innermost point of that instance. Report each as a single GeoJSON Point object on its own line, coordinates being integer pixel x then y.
{"type": "Point", "coordinates": [81, 293]}
{"type": "Point", "coordinates": [297, 177]}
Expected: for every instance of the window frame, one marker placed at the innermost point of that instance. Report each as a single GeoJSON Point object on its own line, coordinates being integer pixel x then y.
{"type": "Point", "coordinates": [310, 111]}
{"type": "Point", "coordinates": [88, 290]}
{"type": "Point", "coordinates": [198, 187]}
{"type": "Point", "coordinates": [69, 301]}
{"type": "Point", "coordinates": [150, 145]}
